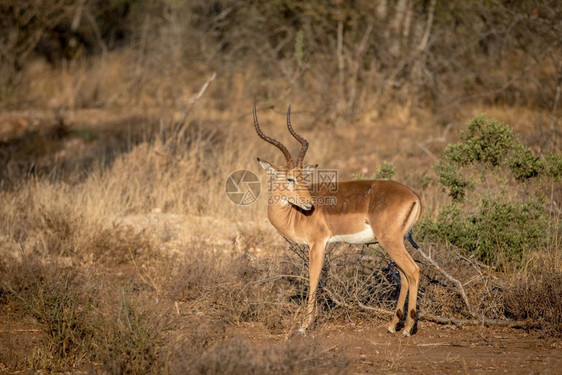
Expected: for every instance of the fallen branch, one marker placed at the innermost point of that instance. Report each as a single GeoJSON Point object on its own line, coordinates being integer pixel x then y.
{"type": "Point", "coordinates": [457, 283]}
{"type": "Point", "coordinates": [334, 299]}
{"type": "Point", "coordinates": [456, 321]}
{"type": "Point", "coordinates": [464, 322]}
{"type": "Point", "coordinates": [375, 309]}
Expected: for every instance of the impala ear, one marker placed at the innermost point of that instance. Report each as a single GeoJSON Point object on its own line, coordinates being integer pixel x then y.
{"type": "Point", "coordinates": [267, 167]}
{"type": "Point", "coordinates": [309, 169]}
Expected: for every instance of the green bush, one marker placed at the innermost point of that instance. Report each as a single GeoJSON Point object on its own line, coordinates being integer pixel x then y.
{"type": "Point", "coordinates": [489, 223]}
{"type": "Point", "coordinates": [553, 166]}
{"type": "Point", "coordinates": [385, 171]}
{"type": "Point", "coordinates": [497, 231]}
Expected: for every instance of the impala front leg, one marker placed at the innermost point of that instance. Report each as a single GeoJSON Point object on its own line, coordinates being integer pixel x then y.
{"type": "Point", "coordinates": [316, 259]}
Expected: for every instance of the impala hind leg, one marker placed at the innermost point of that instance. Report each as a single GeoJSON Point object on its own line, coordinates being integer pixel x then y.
{"type": "Point", "coordinates": [399, 312]}
{"type": "Point", "coordinates": [316, 259]}
{"type": "Point", "coordinates": [410, 273]}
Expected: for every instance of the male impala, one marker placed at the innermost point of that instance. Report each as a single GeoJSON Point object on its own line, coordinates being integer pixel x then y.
{"type": "Point", "coordinates": [355, 212]}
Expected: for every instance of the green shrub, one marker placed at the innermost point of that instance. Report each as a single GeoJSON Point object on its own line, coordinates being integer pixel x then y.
{"type": "Point", "coordinates": [385, 171]}
{"type": "Point", "coordinates": [489, 223]}
{"type": "Point", "coordinates": [553, 166]}
{"type": "Point", "coordinates": [497, 231]}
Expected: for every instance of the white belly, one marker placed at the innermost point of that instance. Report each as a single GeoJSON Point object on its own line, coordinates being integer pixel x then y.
{"type": "Point", "coordinates": [364, 236]}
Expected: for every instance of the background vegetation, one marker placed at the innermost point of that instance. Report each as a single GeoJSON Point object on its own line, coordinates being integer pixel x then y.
{"type": "Point", "coordinates": [120, 121]}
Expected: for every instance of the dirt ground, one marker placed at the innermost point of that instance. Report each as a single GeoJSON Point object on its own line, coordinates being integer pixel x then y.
{"type": "Point", "coordinates": [434, 349]}
{"type": "Point", "coordinates": [370, 349]}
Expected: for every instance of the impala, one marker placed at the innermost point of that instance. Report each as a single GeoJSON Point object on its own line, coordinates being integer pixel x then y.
{"type": "Point", "coordinates": [356, 212]}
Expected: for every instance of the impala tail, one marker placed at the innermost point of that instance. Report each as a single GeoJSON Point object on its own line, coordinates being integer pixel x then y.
{"type": "Point", "coordinates": [413, 218]}
{"type": "Point", "coordinates": [411, 240]}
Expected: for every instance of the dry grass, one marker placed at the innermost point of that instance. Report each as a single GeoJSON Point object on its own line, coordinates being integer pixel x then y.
{"type": "Point", "coordinates": [121, 253]}
{"type": "Point", "coordinates": [100, 267]}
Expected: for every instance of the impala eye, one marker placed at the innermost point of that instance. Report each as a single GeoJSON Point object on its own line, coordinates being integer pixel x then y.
{"type": "Point", "coordinates": [291, 179]}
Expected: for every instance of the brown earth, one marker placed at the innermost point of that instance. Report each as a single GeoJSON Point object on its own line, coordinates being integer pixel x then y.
{"type": "Point", "coordinates": [434, 349]}
{"type": "Point", "coordinates": [370, 349]}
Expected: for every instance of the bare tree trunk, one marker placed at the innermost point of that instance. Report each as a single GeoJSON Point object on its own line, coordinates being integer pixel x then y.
{"type": "Point", "coordinates": [398, 15]}
{"type": "Point", "coordinates": [382, 9]}
{"type": "Point", "coordinates": [356, 64]}
{"type": "Point", "coordinates": [341, 66]}
{"type": "Point", "coordinates": [408, 20]}
{"type": "Point", "coordinates": [395, 26]}
{"type": "Point", "coordinates": [428, 25]}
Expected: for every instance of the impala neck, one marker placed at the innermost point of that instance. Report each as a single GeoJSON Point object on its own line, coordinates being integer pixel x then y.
{"type": "Point", "coordinates": [286, 219]}
{"type": "Point", "coordinates": [281, 214]}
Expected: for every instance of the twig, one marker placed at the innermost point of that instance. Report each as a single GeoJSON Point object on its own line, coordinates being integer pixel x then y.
{"type": "Point", "coordinates": [375, 309]}
{"type": "Point", "coordinates": [458, 284]}
{"type": "Point", "coordinates": [296, 249]}
{"type": "Point", "coordinates": [22, 330]}
{"type": "Point", "coordinates": [193, 100]}
{"type": "Point", "coordinates": [272, 278]}
{"type": "Point", "coordinates": [471, 262]}
{"type": "Point", "coordinates": [426, 150]}
{"type": "Point", "coordinates": [146, 277]}
{"type": "Point", "coordinates": [462, 322]}
{"type": "Point", "coordinates": [334, 299]}
{"type": "Point", "coordinates": [441, 344]}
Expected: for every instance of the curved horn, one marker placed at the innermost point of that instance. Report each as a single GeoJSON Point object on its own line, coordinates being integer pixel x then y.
{"type": "Point", "coordinates": [274, 142]}
{"type": "Point", "coordinates": [303, 142]}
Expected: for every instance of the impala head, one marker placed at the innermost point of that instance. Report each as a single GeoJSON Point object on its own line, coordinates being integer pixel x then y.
{"type": "Point", "coordinates": [290, 185]}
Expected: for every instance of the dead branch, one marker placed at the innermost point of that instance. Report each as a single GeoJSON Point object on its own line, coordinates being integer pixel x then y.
{"type": "Point", "coordinates": [455, 321]}
{"type": "Point", "coordinates": [180, 127]}
{"type": "Point", "coordinates": [427, 151]}
{"type": "Point", "coordinates": [337, 301]}
{"type": "Point", "coordinates": [465, 322]}
{"type": "Point", "coordinates": [457, 283]}
{"type": "Point", "coordinates": [375, 309]}
{"type": "Point", "coordinates": [195, 98]}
